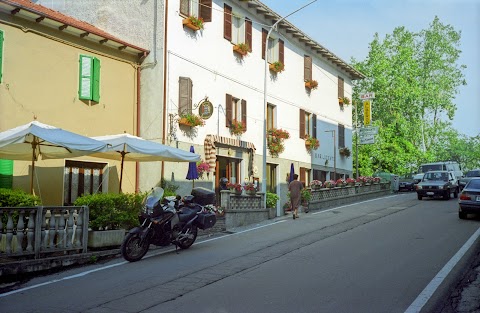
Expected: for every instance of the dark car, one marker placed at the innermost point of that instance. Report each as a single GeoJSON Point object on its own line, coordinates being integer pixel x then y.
{"type": "Point", "coordinates": [468, 176]}
{"type": "Point", "coordinates": [437, 184]}
{"type": "Point", "coordinates": [406, 183]}
{"type": "Point", "coordinates": [469, 201]}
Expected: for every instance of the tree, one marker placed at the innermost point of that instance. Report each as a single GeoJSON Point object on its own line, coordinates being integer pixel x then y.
{"type": "Point", "coordinates": [415, 77]}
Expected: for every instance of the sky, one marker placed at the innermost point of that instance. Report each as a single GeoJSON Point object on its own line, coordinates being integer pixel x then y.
{"type": "Point", "coordinates": [347, 27]}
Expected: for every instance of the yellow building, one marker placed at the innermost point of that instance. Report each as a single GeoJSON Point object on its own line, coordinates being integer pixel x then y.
{"type": "Point", "coordinates": [68, 74]}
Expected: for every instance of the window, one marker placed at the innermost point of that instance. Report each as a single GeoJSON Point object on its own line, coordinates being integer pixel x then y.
{"type": "Point", "coordinates": [89, 81]}
{"type": "Point", "coordinates": [341, 87]}
{"type": "Point", "coordinates": [341, 136]}
{"type": "Point", "coordinates": [236, 28]}
{"type": "Point", "coordinates": [198, 8]}
{"type": "Point", "coordinates": [308, 124]}
{"type": "Point", "coordinates": [185, 86]}
{"type": "Point", "coordinates": [236, 110]}
{"type": "Point", "coordinates": [276, 48]}
{"type": "Point", "coordinates": [307, 68]}
{"type": "Point", "coordinates": [1, 55]}
{"type": "Point", "coordinates": [83, 178]}
{"type": "Point", "coordinates": [270, 116]}
{"type": "Point", "coordinates": [305, 176]}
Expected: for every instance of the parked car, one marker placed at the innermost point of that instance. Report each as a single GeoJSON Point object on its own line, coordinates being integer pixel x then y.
{"type": "Point", "coordinates": [468, 176]}
{"type": "Point", "coordinates": [450, 166]}
{"type": "Point", "coordinates": [437, 184]}
{"type": "Point", "coordinates": [406, 183]}
{"type": "Point", "coordinates": [469, 201]}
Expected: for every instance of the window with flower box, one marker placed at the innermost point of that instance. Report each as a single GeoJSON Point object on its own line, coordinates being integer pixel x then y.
{"type": "Point", "coordinates": [308, 124]}
{"type": "Point", "coordinates": [236, 111]}
{"type": "Point", "coordinates": [276, 49]}
{"type": "Point", "coordinates": [305, 176]}
{"type": "Point", "coordinates": [198, 8]}
{"type": "Point", "coordinates": [236, 28]}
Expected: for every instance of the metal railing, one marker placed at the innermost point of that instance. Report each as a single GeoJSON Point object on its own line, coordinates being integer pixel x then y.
{"type": "Point", "coordinates": [41, 231]}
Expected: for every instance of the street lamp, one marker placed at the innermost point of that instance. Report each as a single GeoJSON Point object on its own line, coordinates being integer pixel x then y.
{"type": "Point", "coordinates": [264, 176]}
{"type": "Point", "coordinates": [334, 153]}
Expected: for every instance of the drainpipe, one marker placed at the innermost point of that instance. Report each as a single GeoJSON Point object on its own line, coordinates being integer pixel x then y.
{"type": "Point", "coordinates": [165, 82]}
{"type": "Point", "coordinates": [137, 164]}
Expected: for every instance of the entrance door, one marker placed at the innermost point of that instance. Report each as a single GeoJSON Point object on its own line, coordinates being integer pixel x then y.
{"type": "Point", "coordinates": [272, 178]}
{"type": "Point", "coordinates": [228, 168]}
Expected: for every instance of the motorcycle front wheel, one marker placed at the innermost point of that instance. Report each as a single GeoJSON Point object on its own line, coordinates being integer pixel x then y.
{"type": "Point", "coordinates": [187, 238]}
{"type": "Point", "coordinates": [133, 249]}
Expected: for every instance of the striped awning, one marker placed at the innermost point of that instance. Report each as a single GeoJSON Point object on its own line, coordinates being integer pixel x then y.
{"type": "Point", "coordinates": [211, 154]}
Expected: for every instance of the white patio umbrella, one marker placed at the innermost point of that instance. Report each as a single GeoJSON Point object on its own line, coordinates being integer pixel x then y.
{"type": "Point", "coordinates": [126, 147]}
{"type": "Point", "coordinates": [29, 141]}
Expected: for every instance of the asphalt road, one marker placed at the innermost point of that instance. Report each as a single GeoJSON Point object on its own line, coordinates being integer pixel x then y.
{"type": "Point", "coordinates": [383, 255]}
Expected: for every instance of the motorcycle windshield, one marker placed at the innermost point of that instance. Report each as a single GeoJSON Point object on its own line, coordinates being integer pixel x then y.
{"type": "Point", "coordinates": [154, 197]}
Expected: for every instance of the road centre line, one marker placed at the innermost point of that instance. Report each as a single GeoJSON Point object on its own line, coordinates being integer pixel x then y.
{"type": "Point", "coordinates": [427, 293]}
{"type": "Point", "coordinates": [347, 205]}
{"type": "Point", "coordinates": [126, 262]}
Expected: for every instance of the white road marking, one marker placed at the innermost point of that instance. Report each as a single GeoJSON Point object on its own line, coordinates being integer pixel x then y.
{"type": "Point", "coordinates": [427, 293]}
{"type": "Point", "coordinates": [347, 205]}
{"type": "Point", "coordinates": [125, 262]}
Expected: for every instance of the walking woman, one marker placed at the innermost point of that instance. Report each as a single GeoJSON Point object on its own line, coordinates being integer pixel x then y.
{"type": "Point", "coordinates": [295, 187]}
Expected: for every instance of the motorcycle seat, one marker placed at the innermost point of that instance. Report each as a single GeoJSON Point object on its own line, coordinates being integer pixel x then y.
{"type": "Point", "coordinates": [186, 214]}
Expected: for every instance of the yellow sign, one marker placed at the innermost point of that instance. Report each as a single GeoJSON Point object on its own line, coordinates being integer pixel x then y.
{"type": "Point", "coordinates": [367, 112]}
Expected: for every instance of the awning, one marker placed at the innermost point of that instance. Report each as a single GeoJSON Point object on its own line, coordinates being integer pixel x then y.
{"type": "Point", "coordinates": [211, 154]}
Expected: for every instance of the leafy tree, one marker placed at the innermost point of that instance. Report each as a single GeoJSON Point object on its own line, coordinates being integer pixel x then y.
{"type": "Point", "coordinates": [415, 77]}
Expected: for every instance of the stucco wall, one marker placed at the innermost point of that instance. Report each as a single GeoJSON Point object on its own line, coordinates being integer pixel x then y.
{"type": "Point", "coordinates": [41, 79]}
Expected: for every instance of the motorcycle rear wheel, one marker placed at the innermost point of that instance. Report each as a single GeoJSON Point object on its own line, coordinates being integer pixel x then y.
{"type": "Point", "coordinates": [132, 247]}
{"type": "Point", "coordinates": [192, 232]}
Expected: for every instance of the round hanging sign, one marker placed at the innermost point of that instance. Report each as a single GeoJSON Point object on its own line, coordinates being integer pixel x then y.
{"type": "Point", "coordinates": [205, 110]}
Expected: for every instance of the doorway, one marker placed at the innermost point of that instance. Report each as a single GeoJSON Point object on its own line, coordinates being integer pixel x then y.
{"type": "Point", "coordinates": [228, 168]}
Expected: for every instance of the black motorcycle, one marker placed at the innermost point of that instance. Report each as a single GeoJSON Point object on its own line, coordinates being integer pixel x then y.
{"type": "Point", "coordinates": [169, 220]}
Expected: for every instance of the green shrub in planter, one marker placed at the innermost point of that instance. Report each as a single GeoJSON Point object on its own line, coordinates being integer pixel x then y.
{"type": "Point", "coordinates": [112, 211]}
{"type": "Point", "coordinates": [272, 199]}
{"type": "Point", "coordinates": [15, 198]}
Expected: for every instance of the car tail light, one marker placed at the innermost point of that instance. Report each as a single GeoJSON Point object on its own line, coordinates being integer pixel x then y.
{"type": "Point", "coordinates": [464, 196]}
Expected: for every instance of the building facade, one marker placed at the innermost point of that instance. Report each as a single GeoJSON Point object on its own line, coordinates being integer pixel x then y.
{"type": "Point", "coordinates": [65, 73]}
{"type": "Point", "coordinates": [204, 71]}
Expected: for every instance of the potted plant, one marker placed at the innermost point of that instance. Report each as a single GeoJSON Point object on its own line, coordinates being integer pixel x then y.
{"type": "Point", "coordinates": [277, 67]}
{"type": "Point", "coordinates": [329, 184]}
{"type": "Point", "coordinates": [191, 120]}
{"type": "Point", "coordinates": [219, 211]}
{"type": "Point", "coordinates": [345, 151]}
{"type": "Point", "coordinates": [202, 167]}
{"type": "Point", "coordinates": [311, 143]}
{"type": "Point", "coordinates": [315, 184]}
{"type": "Point", "coordinates": [272, 200]}
{"type": "Point", "coordinates": [305, 196]}
{"type": "Point", "coordinates": [350, 182]}
{"type": "Point", "coordinates": [340, 182]}
{"type": "Point", "coordinates": [193, 22]}
{"type": "Point", "coordinates": [250, 189]}
{"type": "Point", "coordinates": [237, 128]}
{"type": "Point", "coordinates": [311, 84]}
{"type": "Point", "coordinates": [275, 138]}
{"type": "Point", "coordinates": [241, 48]}
{"type": "Point", "coordinates": [376, 180]}
{"type": "Point", "coordinates": [235, 188]}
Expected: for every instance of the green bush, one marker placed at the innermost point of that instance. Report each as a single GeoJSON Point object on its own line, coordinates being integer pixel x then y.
{"type": "Point", "coordinates": [272, 200]}
{"type": "Point", "coordinates": [16, 198]}
{"type": "Point", "coordinates": [112, 211]}
{"type": "Point", "coordinates": [306, 195]}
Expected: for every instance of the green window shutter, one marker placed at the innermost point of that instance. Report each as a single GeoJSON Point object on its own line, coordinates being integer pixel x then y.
{"type": "Point", "coordinates": [6, 174]}
{"type": "Point", "coordinates": [96, 80]}
{"type": "Point", "coordinates": [85, 79]}
{"type": "Point", "coordinates": [1, 55]}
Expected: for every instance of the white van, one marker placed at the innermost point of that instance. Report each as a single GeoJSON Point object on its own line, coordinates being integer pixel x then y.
{"type": "Point", "coordinates": [450, 166]}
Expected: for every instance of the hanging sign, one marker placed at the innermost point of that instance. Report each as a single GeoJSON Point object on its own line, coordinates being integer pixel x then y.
{"type": "Point", "coordinates": [205, 109]}
{"type": "Point", "coordinates": [367, 112]}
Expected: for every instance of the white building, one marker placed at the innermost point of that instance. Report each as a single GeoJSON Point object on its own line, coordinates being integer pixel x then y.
{"type": "Point", "coordinates": [196, 70]}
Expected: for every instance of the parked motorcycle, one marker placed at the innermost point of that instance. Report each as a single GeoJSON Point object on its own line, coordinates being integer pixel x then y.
{"type": "Point", "coordinates": [169, 220]}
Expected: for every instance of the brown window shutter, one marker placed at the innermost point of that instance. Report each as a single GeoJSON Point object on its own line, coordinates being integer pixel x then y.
{"type": "Point", "coordinates": [302, 175]}
{"type": "Point", "coordinates": [244, 113]}
{"type": "Point", "coordinates": [184, 95]}
{"type": "Point", "coordinates": [228, 113]}
{"type": "Point", "coordinates": [341, 136]}
{"type": "Point", "coordinates": [248, 34]}
{"type": "Point", "coordinates": [314, 125]}
{"type": "Point", "coordinates": [302, 123]}
{"type": "Point", "coordinates": [185, 7]}
{"type": "Point", "coordinates": [307, 68]}
{"type": "Point", "coordinates": [206, 10]}
{"type": "Point", "coordinates": [341, 86]}
{"type": "Point", "coordinates": [281, 51]}
{"type": "Point", "coordinates": [227, 22]}
{"type": "Point", "coordinates": [264, 37]}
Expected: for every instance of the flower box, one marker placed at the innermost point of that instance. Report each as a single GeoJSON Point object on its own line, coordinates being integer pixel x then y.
{"type": "Point", "coordinates": [311, 84]}
{"type": "Point", "coordinates": [241, 49]}
{"type": "Point", "coordinates": [276, 67]}
{"type": "Point", "coordinates": [189, 22]}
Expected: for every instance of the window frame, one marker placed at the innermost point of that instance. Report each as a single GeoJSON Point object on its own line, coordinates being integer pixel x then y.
{"type": "Point", "coordinates": [271, 112]}
{"type": "Point", "coordinates": [90, 75]}
{"type": "Point", "coordinates": [202, 8]}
